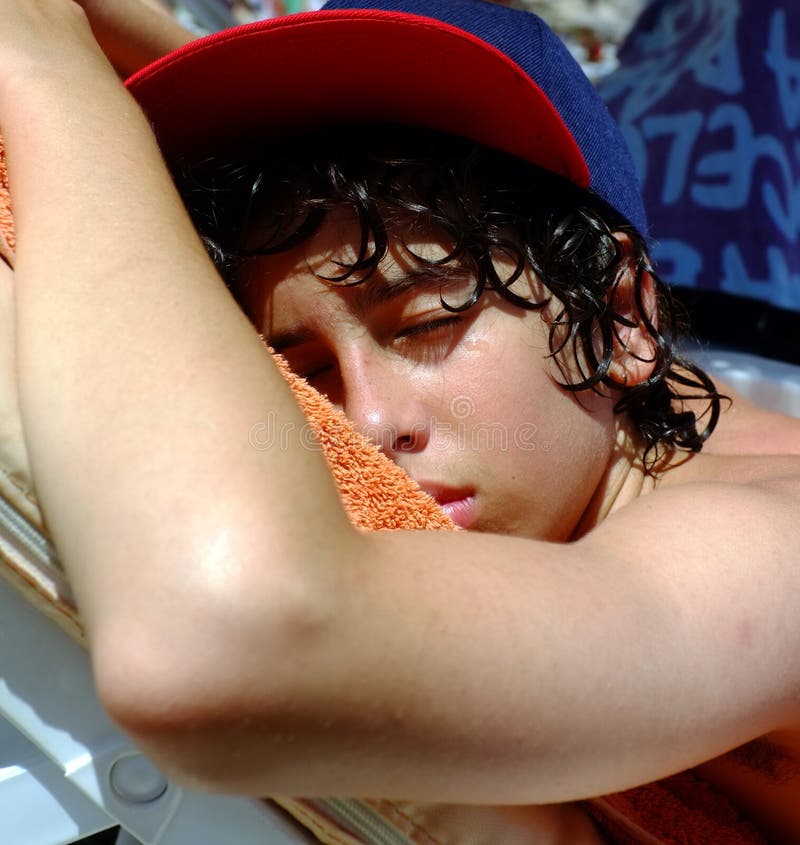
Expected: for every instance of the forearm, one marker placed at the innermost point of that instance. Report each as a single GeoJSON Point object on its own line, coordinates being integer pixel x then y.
{"type": "Point", "coordinates": [140, 378]}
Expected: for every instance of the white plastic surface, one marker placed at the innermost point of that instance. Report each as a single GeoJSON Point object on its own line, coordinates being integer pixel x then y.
{"type": "Point", "coordinates": [38, 806]}
{"type": "Point", "coordinates": [57, 785]}
{"type": "Point", "coordinates": [771, 384]}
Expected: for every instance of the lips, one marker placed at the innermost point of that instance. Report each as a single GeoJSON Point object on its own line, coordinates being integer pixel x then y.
{"type": "Point", "coordinates": [458, 503]}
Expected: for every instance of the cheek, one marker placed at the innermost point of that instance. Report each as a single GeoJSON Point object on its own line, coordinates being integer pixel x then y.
{"type": "Point", "coordinates": [570, 450]}
{"type": "Point", "coordinates": [540, 452]}
{"type": "Point", "coordinates": [577, 426]}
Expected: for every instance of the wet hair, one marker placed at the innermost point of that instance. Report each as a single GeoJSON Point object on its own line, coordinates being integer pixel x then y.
{"type": "Point", "coordinates": [486, 204]}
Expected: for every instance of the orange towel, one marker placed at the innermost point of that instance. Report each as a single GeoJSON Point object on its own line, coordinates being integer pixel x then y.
{"type": "Point", "coordinates": [681, 810]}
{"type": "Point", "coordinates": [377, 494]}
{"type": "Point", "coordinates": [6, 222]}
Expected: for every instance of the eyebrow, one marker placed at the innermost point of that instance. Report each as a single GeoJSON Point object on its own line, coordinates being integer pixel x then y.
{"type": "Point", "coordinates": [290, 337]}
{"type": "Point", "coordinates": [368, 297]}
{"type": "Point", "coordinates": [373, 295]}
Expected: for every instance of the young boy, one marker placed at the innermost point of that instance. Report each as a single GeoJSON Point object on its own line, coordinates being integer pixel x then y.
{"type": "Point", "coordinates": [621, 609]}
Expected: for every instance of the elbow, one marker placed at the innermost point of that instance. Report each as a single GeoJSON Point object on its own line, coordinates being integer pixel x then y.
{"type": "Point", "coordinates": [189, 738]}
{"type": "Point", "coordinates": [171, 722]}
{"type": "Point", "coordinates": [192, 685]}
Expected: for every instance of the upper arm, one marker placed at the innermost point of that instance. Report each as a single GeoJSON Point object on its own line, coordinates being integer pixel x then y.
{"type": "Point", "coordinates": [481, 668]}
{"type": "Point", "coordinates": [664, 638]}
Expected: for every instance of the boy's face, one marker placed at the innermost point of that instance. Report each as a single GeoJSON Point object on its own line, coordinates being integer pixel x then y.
{"type": "Point", "coordinates": [467, 404]}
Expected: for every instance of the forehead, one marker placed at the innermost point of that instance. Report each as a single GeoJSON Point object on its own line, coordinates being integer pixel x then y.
{"type": "Point", "coordinates": [338, 260]}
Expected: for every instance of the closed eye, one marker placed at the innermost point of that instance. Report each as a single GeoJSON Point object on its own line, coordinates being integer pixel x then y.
{"type": "Point", "coordinates": [429, 327]}
{"type": "Point", "coordinates": [309, 361]}
{"type": "Point", "coordinates": [316, 372]}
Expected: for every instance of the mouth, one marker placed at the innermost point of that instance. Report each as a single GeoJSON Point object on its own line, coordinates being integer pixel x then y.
{"type": "Point", "coordinates": [458, 503]}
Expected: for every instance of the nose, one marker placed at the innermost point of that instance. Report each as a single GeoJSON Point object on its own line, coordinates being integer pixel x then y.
{"type": "Point", "coordinates": [383, 400]}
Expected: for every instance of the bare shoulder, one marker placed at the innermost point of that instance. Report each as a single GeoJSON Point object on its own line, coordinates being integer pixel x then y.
{"type": "Point", "coordinates": [747, 429]}
{"type": "Point", "coordinates": [751, 446]}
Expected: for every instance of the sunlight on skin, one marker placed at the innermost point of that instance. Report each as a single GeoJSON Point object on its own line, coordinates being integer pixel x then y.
{"type": "Point", "coordinates": [411, 375]}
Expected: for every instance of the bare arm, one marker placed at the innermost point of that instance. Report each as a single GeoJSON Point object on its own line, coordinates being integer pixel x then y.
{"type": "Point", "coordinates": [108, 330]}
{"type": "Point", "coordinates": [488, 669]}
{"type": "Point", "coordinates": [130, 271]}
{"type": "Point", "coordinates": [240, 629]}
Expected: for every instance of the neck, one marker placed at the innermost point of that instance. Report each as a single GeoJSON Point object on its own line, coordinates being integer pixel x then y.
{"type": "Point", "coordinates": [624, 480]}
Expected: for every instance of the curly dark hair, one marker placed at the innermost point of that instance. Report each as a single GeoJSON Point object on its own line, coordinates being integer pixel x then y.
{"type": "Point", "coordinates": [487, 203]}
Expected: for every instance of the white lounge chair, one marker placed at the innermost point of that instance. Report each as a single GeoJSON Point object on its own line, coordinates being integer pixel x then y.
{"type": "Point", "coordinates": [67, 772]}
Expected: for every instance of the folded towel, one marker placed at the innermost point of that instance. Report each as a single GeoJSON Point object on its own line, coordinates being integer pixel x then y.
{"type": "Point", "coordinates": [6, 221]}
{"type": "Point", "coordinates": [377, 494]}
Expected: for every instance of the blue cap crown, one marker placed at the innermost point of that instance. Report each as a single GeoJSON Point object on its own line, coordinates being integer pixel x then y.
{"type": "Point", "coordinates": [527, 40]}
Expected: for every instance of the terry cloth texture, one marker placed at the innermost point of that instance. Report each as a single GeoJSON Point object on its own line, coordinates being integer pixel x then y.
{"type": "Point", "coordinates": [377, 494]}
{"type": "Point", "coordinates": [6, 222]}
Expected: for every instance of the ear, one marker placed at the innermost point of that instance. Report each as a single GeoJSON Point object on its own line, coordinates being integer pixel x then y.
{"type": "Point", "coordinates": [635, 305]}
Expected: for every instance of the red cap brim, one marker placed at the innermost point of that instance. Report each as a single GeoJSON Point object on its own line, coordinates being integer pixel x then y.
{"type": "Point", "coordinates": [304, 71]}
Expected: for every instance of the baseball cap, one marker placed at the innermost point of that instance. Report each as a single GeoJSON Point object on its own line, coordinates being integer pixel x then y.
{"type": "Point", "coordinates": [471, 68]}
